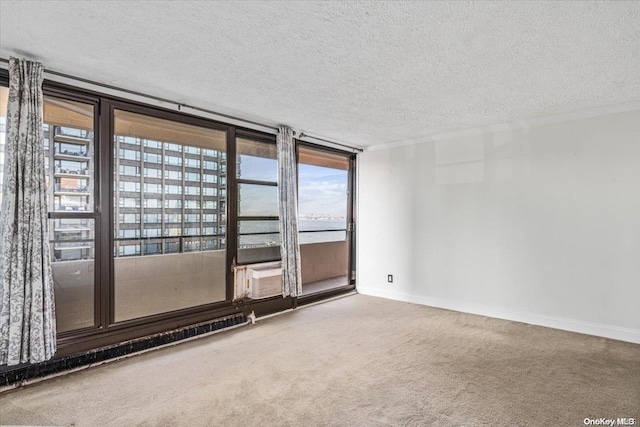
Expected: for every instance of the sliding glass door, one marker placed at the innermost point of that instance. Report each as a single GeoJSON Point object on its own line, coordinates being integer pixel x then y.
{"type": "Point", "coordinates": [257, 178]}
{"type": "Point", "coordinates": [169, 231]}
{"type": "Point", "coordinates": [325, 208]}
{"type": "Point", "coordinates": [324, 205]}
{"type": "Point", "coordinates": [69, 161]}
{"type": "Point", "coordinates": [139, 204]}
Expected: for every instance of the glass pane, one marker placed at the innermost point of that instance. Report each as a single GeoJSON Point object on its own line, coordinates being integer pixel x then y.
{"type": "Point", "coordinates": [324, 236]}
{"type": "Point", "coordinates": [245, 227]}
{"type": "Point", "coordinates": [68, 142]}
{"type": "Point", "coordinates": [68, 145]}
{"type": "Point", "coordinates": [258, 240]}
{"type": "Point", "coordinates": [73, 265]}
{"type": "Point", "coordinates": [256, 160]}
{"type": "Point", "coordinates": [313, 223]}
{"type": "Point", "coordinates": [323, 198]}
{"type": "Point", "coordinates": [257, 200]}
{"type": "Point", "coordinates": [258, 254]}
{"type": "Point", "coordinates": [163, 261]}
{"type": "Point", "coordinates": [258, 247]}
{"type": "Point", "coordinates": [322, 191]}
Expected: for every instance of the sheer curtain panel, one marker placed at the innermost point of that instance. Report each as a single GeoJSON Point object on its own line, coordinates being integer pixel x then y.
{"type": "Point", "coordinates": [288, 210]}
{"type": "Point", "coordinates": [27, 312]}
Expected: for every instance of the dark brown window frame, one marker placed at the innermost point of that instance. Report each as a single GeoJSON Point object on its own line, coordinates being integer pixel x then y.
{"type": "Point", "coordinates": [266, 139]}
{"type": "Point", "coordinates": [95, 215]}
{"type": "Point", "coordinates": [351, 236]}
{"type": "Point", "coordinates": [105, 332]}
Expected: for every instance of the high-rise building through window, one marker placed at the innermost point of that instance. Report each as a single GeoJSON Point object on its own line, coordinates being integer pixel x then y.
{"type": "Point", "coordinates": [169, 215]}
{"type": "Point", "coordinates": [138, 204]}
{"type": "Point", "coordinates": [169, 194]}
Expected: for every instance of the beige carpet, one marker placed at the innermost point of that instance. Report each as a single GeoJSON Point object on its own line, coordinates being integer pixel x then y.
{"type": "Point", "coordinates": [356, 361]}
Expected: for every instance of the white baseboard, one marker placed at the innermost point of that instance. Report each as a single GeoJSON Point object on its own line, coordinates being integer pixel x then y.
{"type": "Point", "coordinates": [588, 328]}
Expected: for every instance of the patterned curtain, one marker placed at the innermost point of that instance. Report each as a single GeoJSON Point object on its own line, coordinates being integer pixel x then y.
{"type": "Point", "coordinates": [27, 313]}
{"type": "Point", "coordinates": [288, 209]}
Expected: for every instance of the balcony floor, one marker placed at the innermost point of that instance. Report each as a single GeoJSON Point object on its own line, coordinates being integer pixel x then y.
{"type": "Point", "coordinates": [324, 285]}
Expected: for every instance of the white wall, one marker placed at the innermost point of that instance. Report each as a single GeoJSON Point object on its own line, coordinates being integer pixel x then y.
{"type": "Point", "coordinates": [536, 222]}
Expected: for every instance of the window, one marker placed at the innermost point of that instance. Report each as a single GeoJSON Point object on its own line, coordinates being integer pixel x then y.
{"type": "Point", "coordinates": [152, 144]}
{"type": "Point", "coordinates": [323, 182]}
{"type": "Point", "coordinates": [258, 200]}
{"type": "Point", "coordinates": [168, 211]}
{"type": "Point", "coordinates": [152, 158]}
{"type": "Point", "coordinates": [129, 218]}
{"type": "Point", "coordinates": [191, 245]}
{"type": "Point", "coordinates": [192, 218]}
{"type": "Point", "coordinates": [173, 160]}
{"type": "Point", "coordinates": [210, 166]}
{"type": "Point", "coordinates": [171, 174]}
{"type": "Point", "coordinates": [257, 173]}
{"type": "Point", "coordinates": [176, 276]}
{"type": "Point", "coordinates": [173, 217]}
{"type": "Point", "coordinates": [192, 204]}
{"type": "Point", "coordinates": [152, 173]}
{"type": "Point", "coordinates": [129, 202]}
{"type": "Point", "coordinates": [126, 154]}
{"type": "Point", "coordinates": [152, 188]}
{"type": "Point", "coordinates": [129, 250]}
{"type": "Point", "coordinates": [191, 231]}
{"type": "Point", "coordinates": [194, 191]}
{"type": "Point", "coordinates": [323, 207]}
{"type": "Point", "coordinates": [153, 203]}
{"type": "Point", "coordinates": [69, 146]}
{"type": "Point", "coordinates": [174, 203]}
{"type": "Point", "coordinates": [192, 163]}
{"type": "Point", "coordinates": [171, 189]}
{"type": "Point", "coordinates": [71, 130]}
{"type": "Point", "coordinates": [129, 170]}
{"type": "Point", "coordinates": [128, 140]}
{"type": "Point", "coordinates": [152, 218]}
{"type": "Point", "coordinates": [129, 233]}
{"type": "Point", "coordinates": [151, 232]}
{"type": "Point", "coordinates": [172, 230]}
{"type": "Point", "coordinates": [192, 176]}
{"type": "Point", "coordinates": [152, 248]}
{"type": "Point", "coordinates": [209, 244]}
{"type": "Point", "coordinates": [129, 186]}
{"type": "Point", "coordinates": [173, 147]}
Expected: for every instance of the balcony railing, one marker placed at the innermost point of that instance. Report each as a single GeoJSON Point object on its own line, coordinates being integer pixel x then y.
{"type": "Point", "coordinates": [171, 244]}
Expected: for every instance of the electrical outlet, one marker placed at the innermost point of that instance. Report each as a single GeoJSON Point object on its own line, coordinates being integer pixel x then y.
{"type": "Point", "coordinates": [390, 278]}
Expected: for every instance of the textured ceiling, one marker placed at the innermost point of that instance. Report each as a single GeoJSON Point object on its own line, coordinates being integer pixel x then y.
{"type": "Point", "coordinates": [365, 73]}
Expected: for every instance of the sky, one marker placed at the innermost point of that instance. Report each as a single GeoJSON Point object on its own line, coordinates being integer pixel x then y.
{"type": "Point", "coordinates": [321, 191]}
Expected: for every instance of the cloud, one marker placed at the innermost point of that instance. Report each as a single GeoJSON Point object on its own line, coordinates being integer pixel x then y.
{"type": "Point", "coordinates": [321, 191]}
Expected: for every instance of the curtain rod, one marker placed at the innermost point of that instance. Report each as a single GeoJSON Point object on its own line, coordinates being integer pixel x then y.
{"type": "Point", "coordinates": [183, 105]}
{"type": "Point", "coordinates": [304, 135]}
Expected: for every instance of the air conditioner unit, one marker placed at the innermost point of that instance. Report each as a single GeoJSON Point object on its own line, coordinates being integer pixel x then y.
{"type": "Point", "coordinates": [264, 280]}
